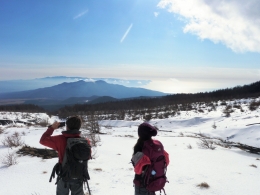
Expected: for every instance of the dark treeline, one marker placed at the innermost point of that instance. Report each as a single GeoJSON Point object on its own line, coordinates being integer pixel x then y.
{"type": "Point", "coordinates": [21, 108]}
{"type": "Point", "coordinates": [169, 102]}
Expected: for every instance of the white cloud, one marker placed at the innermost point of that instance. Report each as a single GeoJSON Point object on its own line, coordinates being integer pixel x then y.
{"type": "Point", "coordinates": [156, 14]}
{"type": "Point", "coordinates": [80, 14]}
{"type": "Point", "coordinates": [177, 86]}
{"type": "Point", "coordinates": [192, 85]}
{"type": "Point", "coordinates": [234, 23]}
{"type": "Point", "coordinates": [126, 33]}
{"type": "Point", "coordinates": [89, 80]}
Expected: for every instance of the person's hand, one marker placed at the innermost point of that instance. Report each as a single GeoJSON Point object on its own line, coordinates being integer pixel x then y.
{"type": "Point", "coordinates": [55, 125]}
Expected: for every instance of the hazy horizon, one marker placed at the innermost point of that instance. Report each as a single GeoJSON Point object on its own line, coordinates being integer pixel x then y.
{"type": "Point", "coordinates": [43, 82]}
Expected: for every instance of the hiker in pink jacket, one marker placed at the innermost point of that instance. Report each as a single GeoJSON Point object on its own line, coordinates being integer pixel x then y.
{"type": "Point", "coordinates": [150, 161]}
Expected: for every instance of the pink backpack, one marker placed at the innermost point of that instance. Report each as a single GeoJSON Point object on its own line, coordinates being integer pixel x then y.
{"type": "Point", "coordinates": [154, 175]}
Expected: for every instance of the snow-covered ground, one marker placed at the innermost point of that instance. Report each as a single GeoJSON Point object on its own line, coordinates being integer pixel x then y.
{"type": "Point", "coordinates": [227, 171]}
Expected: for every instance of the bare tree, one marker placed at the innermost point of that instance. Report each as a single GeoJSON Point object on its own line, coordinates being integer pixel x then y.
{"type": "Point", "coordinates": [91, 129]}
{"type": "Point", "coordinates": [206, 144]}
{"type": "Point", "coordinates": [95, 139]}
{"type": "Point", "coordinates": [92, 125]}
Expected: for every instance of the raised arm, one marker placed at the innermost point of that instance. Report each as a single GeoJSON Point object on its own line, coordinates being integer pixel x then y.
{"type": "Point", "coordinates": [47, 139]}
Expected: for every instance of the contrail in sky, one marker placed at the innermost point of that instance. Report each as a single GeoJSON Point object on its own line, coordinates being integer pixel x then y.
{"type": "Point", "coordinates": [80, 15]}
{"type": "Point", "coordinates": [126, 33]}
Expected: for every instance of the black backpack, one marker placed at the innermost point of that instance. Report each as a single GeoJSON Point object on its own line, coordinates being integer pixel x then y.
{"type": "Point", "coordinates": [75, 161]}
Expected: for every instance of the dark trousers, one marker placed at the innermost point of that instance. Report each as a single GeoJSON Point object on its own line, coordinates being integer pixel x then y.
{"type": "Point", "coordinates": [142, 191]}
{"type": "Point", "coordinates": [63, 188]}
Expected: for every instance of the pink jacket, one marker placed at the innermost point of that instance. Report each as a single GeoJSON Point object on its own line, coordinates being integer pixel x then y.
{"type": "Point", "coordinates": [144, 160]}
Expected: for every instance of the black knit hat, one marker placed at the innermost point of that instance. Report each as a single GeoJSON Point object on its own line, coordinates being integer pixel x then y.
{"type": "Point", "coordinates": [146, 131]}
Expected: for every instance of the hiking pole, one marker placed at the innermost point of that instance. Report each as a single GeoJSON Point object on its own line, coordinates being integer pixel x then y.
{"type": "Point", "coordinates": [88, 187]}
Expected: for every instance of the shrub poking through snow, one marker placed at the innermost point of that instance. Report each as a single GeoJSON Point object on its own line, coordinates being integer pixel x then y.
{"type": "Point", "coordinates": [1, 130]}
{"type": "Point", "coordinates": [200, 134]}
{"type": "Point", "coordinates": [214, 125]}
{"type": "Point", "coordinates": [130, 136]}
{"type": "Point", "coordinates": [13, 140]}
{"type": "Point", "coordinates": [254, 105]}
{"type": "Point", "coordinates": [222, 144]}
{"type": "Point", "coordinates": [9, 159]}
{"type": "Point", "coordinates": [206, 144]}
{"type": "Point", "coordinates": [203, 185]}
{"type": "Point", "coordinates": [228, 110]}
{"type": "Point", "coordinates": [200, 110]}
{"type": "Point", "coordinates": [189, 146]}
{"type": "Point", "coordinates": [108, 127]}
{"type": "Point", "coordinates": [253, 166]}
{"type": "Point", "coordinates": [223, 103]}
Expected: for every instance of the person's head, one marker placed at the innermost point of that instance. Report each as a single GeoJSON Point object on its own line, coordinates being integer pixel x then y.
{"type": "Point", "coordinates": [73, 122]}
{"type": "Point", "coordinates": [146, 131]}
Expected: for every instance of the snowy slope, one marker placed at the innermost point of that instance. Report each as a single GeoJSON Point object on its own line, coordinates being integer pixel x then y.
{"type": "Point", "coordinates": [227, 171]}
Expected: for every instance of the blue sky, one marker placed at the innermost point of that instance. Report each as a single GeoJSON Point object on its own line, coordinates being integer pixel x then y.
{"type": "Point", "coordinates": [179, 45]}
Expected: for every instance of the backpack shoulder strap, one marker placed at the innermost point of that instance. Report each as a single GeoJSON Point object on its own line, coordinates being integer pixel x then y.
{"type": "Point", "coordinates": [76, 140]}
{"type": "Point", "coordinates": [56, 169]}
{"type": "Point", "coordinates": [152, 146]}
{"type": "Point", "coordinates": [65, 152]}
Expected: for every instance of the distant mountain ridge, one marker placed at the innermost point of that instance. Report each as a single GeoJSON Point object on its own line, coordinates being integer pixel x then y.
{"type": "Point", "coordinates": [7, 86]}
{"type": "Point", "coordinates": [82, 89]}
{"type": "Point", "coordinates": [92, 102]}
